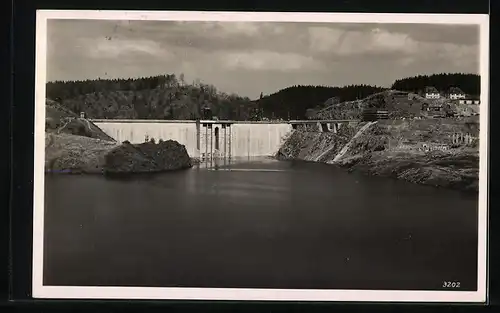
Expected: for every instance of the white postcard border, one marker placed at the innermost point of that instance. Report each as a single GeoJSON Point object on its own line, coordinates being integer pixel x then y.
{"type": "Point", "coordinates": [67, 292]}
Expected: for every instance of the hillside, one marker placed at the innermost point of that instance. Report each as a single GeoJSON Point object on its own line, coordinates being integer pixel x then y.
{"type": "Point", "coordinates": [294, 102]}
{"type": "Point", "coordinates": [398, 103]}
{"type": "Point", "coordinates": [303, 102]}
{"type": "Point", "coordinates": [159, 97]}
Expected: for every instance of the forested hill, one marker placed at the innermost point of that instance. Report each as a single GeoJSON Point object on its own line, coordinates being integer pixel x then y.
{"type": "Point", "coordinates": [469, 83]}
{"type": "Point", "coordinates": [157, 97]}
{"type": "Point", "coordinates": [293, 102]}
{"type": "Point", "coordinates": [170, 97]}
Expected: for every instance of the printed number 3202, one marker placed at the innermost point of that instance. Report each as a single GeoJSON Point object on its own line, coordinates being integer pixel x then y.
{"type": "Point", "coordinates": [451, 284]}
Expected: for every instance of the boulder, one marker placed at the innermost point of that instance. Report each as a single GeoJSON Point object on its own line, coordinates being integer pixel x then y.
{"type": "Point", "coordinates": [146, 158]}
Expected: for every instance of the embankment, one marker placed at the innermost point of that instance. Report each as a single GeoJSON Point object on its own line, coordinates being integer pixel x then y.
{"type": "Point", "coordinates": [438, 152]}
{"type": "Point", "coordinates": [59, 120]}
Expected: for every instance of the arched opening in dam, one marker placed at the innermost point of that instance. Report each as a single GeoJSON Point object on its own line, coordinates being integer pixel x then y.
{"type": "Point", "coordinates": [217, 138]}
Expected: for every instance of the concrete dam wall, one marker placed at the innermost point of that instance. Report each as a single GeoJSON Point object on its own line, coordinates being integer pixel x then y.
{"type": "Point", "coordinates": [141, 131]}
{"type": "Point", "coordinates": [204, 139]}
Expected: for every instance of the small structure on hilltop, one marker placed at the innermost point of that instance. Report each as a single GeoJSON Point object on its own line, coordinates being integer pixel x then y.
{"type": "Point", "coordinates": [456, 93]}
{"type": "Point", "coordinates": [206, 113]}
{"type": "Point", "coordinates": [431, 93]}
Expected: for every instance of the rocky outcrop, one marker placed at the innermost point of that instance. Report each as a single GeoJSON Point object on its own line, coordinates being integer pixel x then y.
{"type": "Point", "coordinates": [82, 155]}
{"type": "Point", "coordinates": [146, 158]}
{"type": "Point", "coordinates": [315, 146]}
{"type": "Point", "coordinates": [420, 151]}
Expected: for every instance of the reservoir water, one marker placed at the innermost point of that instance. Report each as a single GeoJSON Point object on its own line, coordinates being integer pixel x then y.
{"type": "Point", "coordinates": [258, 224]}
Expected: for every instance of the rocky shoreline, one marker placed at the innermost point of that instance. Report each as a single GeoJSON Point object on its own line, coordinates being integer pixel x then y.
{"type": "Point", "coordinates": [422, 151]}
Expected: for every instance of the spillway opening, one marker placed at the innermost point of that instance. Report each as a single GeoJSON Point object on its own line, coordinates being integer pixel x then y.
{"type": "Point", "coordinates": [216, 138]}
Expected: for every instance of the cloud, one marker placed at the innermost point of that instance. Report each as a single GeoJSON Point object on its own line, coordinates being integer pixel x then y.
{"type": "Point", "coordinates": [349, 42]}
{"type": "Point", "coordinates": [378, 43]}
{"type": "Point", "coordinates": [269, 61]}
{"type": "Point", "coordinates": [239, 28]}
{"type": "Point", "coordinates": [439, 34]}
{"type": "Point", "coordinates": [249, 57]}
{"type": "Point", "coordinates": [114, 47]}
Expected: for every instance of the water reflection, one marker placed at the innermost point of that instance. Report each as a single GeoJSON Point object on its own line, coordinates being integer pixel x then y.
{"type": "Point", "coordinates": [216, 163]}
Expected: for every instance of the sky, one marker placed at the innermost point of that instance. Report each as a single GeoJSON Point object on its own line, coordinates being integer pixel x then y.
{"type": "Point", "coordinates": [248, 58]}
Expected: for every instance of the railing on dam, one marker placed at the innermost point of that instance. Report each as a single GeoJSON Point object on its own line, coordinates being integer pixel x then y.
{"type": "Point", "coordinates": [186, 121]}
{"type": "Point", "coordinates": [321, 125]}
{"type": "Point", "coordinates": [220, 121]}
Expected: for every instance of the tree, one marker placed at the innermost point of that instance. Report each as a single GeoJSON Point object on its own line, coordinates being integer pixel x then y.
{"type": "Point", "coordinates": [171, 111]}
{"type": "Point", "coordinates": [310, 114]}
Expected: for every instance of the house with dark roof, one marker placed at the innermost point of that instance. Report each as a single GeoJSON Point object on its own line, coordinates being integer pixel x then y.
{"type": "Point", "coordinates": [431, 93]}
{"type": "Point", "coordinates": [456, 93]}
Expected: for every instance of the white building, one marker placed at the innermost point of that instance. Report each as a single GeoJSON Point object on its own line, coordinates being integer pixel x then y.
{"type": "Point", "coordinates": [456, 96]}
{"type": "Point", "coordinates": [432, 95]}
{"type": "Point", "coordinates": [469, 101]}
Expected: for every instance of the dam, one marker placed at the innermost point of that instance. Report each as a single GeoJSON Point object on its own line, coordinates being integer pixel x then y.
{"type": "Point", "coordinates": [206, 139]}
